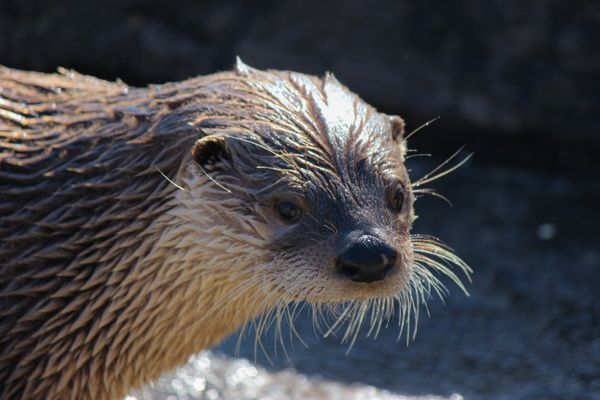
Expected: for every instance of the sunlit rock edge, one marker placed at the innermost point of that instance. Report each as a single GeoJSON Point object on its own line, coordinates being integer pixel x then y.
{"type": "Point", "coordinates": [211, 377]}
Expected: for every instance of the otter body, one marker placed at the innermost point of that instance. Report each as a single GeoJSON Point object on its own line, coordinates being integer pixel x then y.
{"type": "Point", "coordinates": [141, 225]}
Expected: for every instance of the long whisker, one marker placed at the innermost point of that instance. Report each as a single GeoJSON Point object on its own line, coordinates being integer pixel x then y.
{"type": "Point", "coordinates": [429, 250]}
{"type": "Point", "coordinates": [291, 319]}
{"type": "Point", "coordinates": [429, 177]}
{"type": "Point", "coordinates": [212, 179]}
{"type": "Point", "coordinates": [425, 125]}
{"type": "Point", "coordinates": [287, 157]}
{"type": "Point", "coordinates": [169, 179]}
{"type": "Point", "coordinates": [433, 193]}
{"type": "Point", "coordinates": [417, 155]}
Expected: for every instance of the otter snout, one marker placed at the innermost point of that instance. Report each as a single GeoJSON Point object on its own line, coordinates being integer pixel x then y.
{"type": "Point", "coordinates": [366, 259]}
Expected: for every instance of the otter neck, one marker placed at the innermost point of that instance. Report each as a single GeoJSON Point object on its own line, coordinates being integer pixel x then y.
{"type": "Point", "coordinates": [186, 283]}
{"type": "Point", "coordinates": [192, 297]}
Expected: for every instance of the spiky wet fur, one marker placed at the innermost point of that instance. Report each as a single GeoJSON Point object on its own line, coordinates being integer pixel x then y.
{"type": "Point", "coordinates": [120, 256]}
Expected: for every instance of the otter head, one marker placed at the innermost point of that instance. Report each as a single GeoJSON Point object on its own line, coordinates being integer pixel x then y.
{"type": "Point", "coordinates": [316, 177]}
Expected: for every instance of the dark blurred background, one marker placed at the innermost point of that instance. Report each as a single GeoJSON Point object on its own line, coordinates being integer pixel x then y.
{"type": "Point", "coordinates": [518, 82]}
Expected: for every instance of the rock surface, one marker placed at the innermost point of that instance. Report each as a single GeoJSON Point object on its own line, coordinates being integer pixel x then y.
{"type": "Point", "coordinates": [208, 376]}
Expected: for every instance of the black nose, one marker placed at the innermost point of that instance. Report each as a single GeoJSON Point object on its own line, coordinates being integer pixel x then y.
{"type": "Point", "coordinates": [366, 259]}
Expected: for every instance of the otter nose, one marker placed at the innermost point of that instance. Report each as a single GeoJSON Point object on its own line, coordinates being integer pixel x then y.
{"type": "Point", "coordinates": [367, 259]}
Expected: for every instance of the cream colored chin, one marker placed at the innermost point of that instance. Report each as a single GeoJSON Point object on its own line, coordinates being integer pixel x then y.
{"type": "Point", "coordinates": [336, 288]}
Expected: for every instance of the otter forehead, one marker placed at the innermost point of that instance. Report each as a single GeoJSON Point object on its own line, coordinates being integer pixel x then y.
{"type": "Point", "coordinates": [289, 137]}
{"type": "Point", "coordinates": [321, 114]}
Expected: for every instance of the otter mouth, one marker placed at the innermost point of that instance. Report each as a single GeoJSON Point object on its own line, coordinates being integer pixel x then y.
{"type": "Point", "coordinates": [350, 284]}
{"type": "Point", "coordinates": [356, 274]}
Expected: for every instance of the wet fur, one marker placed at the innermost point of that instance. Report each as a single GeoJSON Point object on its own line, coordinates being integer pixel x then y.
{"type": "Point", "coordinates": [120, 256]}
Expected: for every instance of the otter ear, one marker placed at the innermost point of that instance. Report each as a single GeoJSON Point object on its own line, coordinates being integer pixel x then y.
{"type": "Point", "coordinates": [397, 128]}
{"type": "Point", "coordinates": [398, 133]}
{"type": "Point", "coordinates": [209, 150]}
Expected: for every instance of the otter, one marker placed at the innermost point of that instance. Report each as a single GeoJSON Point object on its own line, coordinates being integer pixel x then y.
{"type": "Point", "coordinates": [141, 225]}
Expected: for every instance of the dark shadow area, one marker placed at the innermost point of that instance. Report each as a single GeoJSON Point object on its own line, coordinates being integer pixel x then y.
{"type": "Point", "coordinates": [515, 81]}
{"type": "Point", "coordinates": [501, 66]}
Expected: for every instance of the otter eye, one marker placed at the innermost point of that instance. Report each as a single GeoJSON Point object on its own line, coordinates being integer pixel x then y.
{"type": "Point", "coordinates": [396, 197]}
{"type": "Point", "coordinates": [288, 211]}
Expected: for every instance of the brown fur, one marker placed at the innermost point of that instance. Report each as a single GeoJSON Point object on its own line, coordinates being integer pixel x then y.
{"type": "Point", "coordinates": [120, 256]}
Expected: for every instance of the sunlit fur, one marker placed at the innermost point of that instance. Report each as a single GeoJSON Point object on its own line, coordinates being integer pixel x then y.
{"type": "Point", "coordinates": [138, 226]}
